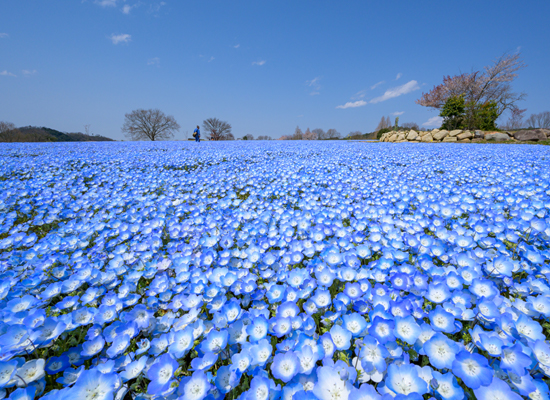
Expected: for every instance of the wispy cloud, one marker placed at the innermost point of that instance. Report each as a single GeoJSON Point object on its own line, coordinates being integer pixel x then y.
{"type": "Point", "coordinates": [353, 104]}
{"type": "Point", "coordinates": [397, 91]}
{"type": "Point", "coordinates": [211, 59]}
{"type": "Point", "coordinates": [154, 61]}
{"type": "Point", "coordinates": [154, 8]}
{"type": "Point", "coordinates": [433, 121]}
{"type": "Point", "coordinates": [314, 85]}
{"type": "Point", "coordinates": [236, 46]}
{"type": "Point", "coordinates": [399, 75]}
{"type": "Point", "coordinates": [105, 3]}
{"type": "Point", "coordinates": [3, 35]}
{"type": "Point", "coordinates": [261, 62]}
{"type": "Point", "coordinates": [398, 113]}
{"type": "Point", "coordinates": [28, 72]}
{"type": "Point", "coordinates": [6, 73]}
{"type": "Point", "coordinates": [126, 8]}
{"type": "Point", "coordinates": [359, 95]}
{"type": "Point", "coordinates": [377, 84]}
{"type": "Point", "coordinates": [122, 38]}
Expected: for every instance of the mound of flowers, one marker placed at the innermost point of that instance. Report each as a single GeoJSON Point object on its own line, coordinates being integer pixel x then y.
{"type": "Point", "coordinates": [274, 271]}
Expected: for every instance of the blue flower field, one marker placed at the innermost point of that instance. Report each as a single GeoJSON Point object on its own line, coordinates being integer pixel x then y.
{"type": "Point", "coordinates": [274, 270]}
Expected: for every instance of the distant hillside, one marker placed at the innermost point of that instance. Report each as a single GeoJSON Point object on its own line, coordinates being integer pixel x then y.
{"type": "Point", "coordinates": [43, 134]}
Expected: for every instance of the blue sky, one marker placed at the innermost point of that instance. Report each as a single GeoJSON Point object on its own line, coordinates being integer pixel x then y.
{"type": "Point", "coordinates": [263, 66]}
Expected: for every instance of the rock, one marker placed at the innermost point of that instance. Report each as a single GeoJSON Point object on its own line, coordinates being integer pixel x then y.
{"type": "Point", "coordinates": [477, 140]}
{"type": "Point", "coordinates": [439, 135]}
{"type": "Point", "coordinates": [427, 138]}
{"type": "Point", "coordinates": [400, 137]}
{"type": "Point", "coordinates": [424, 133]}
{"type": "Point", "coordinates": [498, 136]}
{"type": "Point", "coordinates": [530, 135]}
{"type": "Point", "coordinates": [479, 134]}
{"type": "Point", "coordinates": [412, 135]}
{"type": "Point", "coordinates": [393, 138]}
{"type": "Point", "coordinates": [456, 132]}
{"type": "Point", "coordinates": [465, 135]}
{"type": "Point", "coordinates": [450, 139]}
{"type": "Point", "coordinates": [435, 131]}
{"type": "Point", "coordinates": [464, 141]}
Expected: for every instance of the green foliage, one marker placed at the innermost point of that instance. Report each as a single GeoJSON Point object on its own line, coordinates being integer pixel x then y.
{"type": "Point", "coordinates": [453, 113]}
{"type": "Point", "coordinates": [396, 123]}
{"type": "Point", "coordinates": [485, 116]}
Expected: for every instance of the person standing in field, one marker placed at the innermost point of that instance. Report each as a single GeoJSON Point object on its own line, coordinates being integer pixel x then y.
{"type": "Point", "coordinates": [197, 134]}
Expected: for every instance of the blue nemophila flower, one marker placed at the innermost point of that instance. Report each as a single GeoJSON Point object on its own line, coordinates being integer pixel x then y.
{"type": "Point", "coordinates": [160, 374]}
{"type": "Point", "coordinates": [341, 337]}
{"type": "Point", "coordinates": [7, 371]}
{"type": "Point", "coordinates": [373, 355]}
{"type": "Point", "coordinates": [258, 329]}
{"type": "Point", "coordinates": [442, 321]}
{"type": "Point", "coordinates": [215, 341]}
{"type": "Point", "coordinates": [26, 393]}
{"type": "Point", "coordinates": [133, 369]}
{"type": "Point", "coordinates": [497, 389]}
{"type": "Point", "coordinates": [204, 363]}
{"type": "Point", "coordinates": [182, 342]}
{"type": "Point", "coordinates": [382, 329]}
{"type": "Point", "coordinates": [404, 379]}
{"type": "Point", "coordinates": [355, 323]}
{"type": "Point", "coordinates": [260, 352]}
{"type": "Point", "coordinates": [259, 389]}
{"type": "Point", "coordinates": [227, 378]}
{"type": "Point", "coordinates": [541, 351]}
{"type": "Point", "coordinates": [57, 364]}
{"type": "Point", "coordinates": [447, 386]}
{"type": "Point", "coordinates": [120, 344]}
{"type": "Point", "coordinates": [330, 385]}
{"type": "Point", "coordinates": [473, 369]}
{"type": "Point", "coordinates": [30, 372]}
{"type": "Point", "coordinates": [441, 351]}
{"type": "Point", "coordinates": [407, 329]}
{"type": "Point", "coordinates": [285, 366]}
{"type": "Point", "coordinates": [92, 384]}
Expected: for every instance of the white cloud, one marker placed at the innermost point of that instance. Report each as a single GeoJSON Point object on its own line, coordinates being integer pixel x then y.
{"type": "Point", "coordinates": [398, 113]}
{"type": "Point", "coordinates": [6, 73]}
{"type": "Point", "coordinates": [349, 104]}
{"type": "Point", "coordinates": [315, 93]}
{"type": "Point", "coordinates": [236, 46]}
{"type": "Point", "coordinates": [126, 9]}
{"type": "Point", "coordinates": [211, 59]}
{"type": "Point", "coordinates": [377, 84]}
{"type": "Point", "coordinates": [154, 61]}
{"type": "Point", "coordinates": [261, 62]}
{"type": "Point", "coordinates": [122, 38]}
{"type": "Point", "coordinates": [399, 75]}
{"type": "Point", "coordinates": [28, 72]}
{"type": "Point", "coordinates": [397, 91]}
{"type": "Point", "coordinates": [3, 35]}
{"type": "Point", "coordinates": [433, 121]}
{"type": "Point", "coordinates": [106, 3]}
{"type": "Point", "coordinates": [359, 95]}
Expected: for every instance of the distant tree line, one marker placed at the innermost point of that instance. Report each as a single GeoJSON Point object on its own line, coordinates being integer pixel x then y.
{"type": "Point", "coordinates": [315, 134]}
{"type": "Point", "coordinates": [10, 133]}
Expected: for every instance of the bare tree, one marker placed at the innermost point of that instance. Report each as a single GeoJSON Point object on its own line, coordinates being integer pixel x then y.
{"type": "Point", "coordinates": [321, 134]}
{"type": "Point", "coordinates": [149, 125]}
{"type": "Point", "coordinates": [383, 124]}
{"type": "Point", "coordinates": [480, 87]}
{"type": "Point", "coordinates": [229, 136]}
{"type": "Point", "coordinates": [87, 130]}
{"type": "Point", "coordinates": [248, 136]}
{"type": "Point", "coordinates": [216, 129]}
{"type": "Point", "coordinates": [540, 120]}
{"type": "Point", "coordinates": [410, 125]}
{"type": "Point", "coordinates": [264, 137]}
{"type": "Point", "coordinates": [298, 134]}
{"type": "Point", "coordinates": [515, 121]}
{"type": "Point", "coordinates": [333, 134]}
{"type": "Point", "coordinates": [9, 133]}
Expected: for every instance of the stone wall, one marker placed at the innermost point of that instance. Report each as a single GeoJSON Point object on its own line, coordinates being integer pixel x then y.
{"type": "Point", "coordinates": [461, 136]}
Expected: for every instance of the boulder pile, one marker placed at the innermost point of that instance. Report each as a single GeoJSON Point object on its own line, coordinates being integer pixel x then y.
{"type": "Point", "coordinates": [461, 136]}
